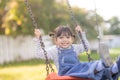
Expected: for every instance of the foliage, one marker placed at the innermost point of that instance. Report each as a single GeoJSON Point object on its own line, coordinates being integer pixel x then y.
{"type": "Point", "coordinates": [114, 26]}
{"type": "Point", "coordinates": [3, 11]}
{"type": "Point", "coordinates": [47, 13]}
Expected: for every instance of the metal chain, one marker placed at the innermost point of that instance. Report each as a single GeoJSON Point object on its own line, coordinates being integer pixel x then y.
{"type": "Point", "coordinates": [71, 14]}
{"type": "Point", "coordinates": [31, 14]}
{"type": "Point", "coordinates": [48, 65]}
{"type": "Point", "coordinates": [79, 33]}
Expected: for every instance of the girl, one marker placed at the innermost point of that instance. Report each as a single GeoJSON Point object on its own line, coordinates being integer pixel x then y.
{"type": "Point", "coordinates": [65, 56]}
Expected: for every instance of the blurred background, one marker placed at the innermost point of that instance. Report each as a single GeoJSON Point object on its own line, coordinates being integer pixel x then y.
{"type": "Point", "coordinates": [18, 60]}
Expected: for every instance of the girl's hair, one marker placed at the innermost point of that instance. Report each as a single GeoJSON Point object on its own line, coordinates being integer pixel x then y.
{"type": "Point", "coordinates": [62, 30]}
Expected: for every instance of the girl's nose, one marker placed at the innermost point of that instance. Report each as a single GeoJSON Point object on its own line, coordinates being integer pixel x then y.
{"type": "Point", "coordinates": [65, 39]}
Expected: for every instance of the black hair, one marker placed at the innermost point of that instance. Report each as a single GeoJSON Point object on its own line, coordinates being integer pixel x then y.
{"type": "Point", "coordinates": [62, 30]}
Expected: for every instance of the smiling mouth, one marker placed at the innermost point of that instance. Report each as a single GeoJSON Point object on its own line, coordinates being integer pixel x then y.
{"type": "Point", "coordinates": [64, 43]}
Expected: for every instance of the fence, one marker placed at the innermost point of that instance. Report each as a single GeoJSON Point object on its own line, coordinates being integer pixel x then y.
{"type": "Point", "coordinates": [23, 47]}
{"type": "Point", "coordinates": [19, 48]}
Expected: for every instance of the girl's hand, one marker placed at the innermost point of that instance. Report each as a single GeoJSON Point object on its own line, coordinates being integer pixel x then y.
{"type": "Point", "coordinates": [37, 33]}
{"type": "Point", "coordinates": [78, 28]}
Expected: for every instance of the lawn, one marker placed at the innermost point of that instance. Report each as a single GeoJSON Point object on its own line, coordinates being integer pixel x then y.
{"type": "Point", "coordinates": [31, 70]}
{"type": "Point", "coordinates": [26, 70]}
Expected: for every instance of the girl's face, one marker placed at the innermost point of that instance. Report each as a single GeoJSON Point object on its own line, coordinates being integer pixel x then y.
{"type": "Point", "coordinates": [64, 41]}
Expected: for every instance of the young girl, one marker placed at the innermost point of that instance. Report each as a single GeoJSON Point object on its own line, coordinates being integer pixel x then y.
{"type": "Point", "coordinates": [65, 56]}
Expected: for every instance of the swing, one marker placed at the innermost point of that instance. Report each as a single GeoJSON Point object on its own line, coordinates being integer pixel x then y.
{"type": "Point", "coordinates": [53, 75]}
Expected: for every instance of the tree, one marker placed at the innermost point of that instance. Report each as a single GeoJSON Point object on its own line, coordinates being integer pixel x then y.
{"type": "Point", "coordinates": [3, 11]}
{"type": "Point", "coordinates": [114, 25]}
{"type": "Point", "coordinates": [48, 14]}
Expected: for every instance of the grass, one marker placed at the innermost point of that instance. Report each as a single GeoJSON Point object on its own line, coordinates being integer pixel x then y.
{"type": "Point", "coordinates": [25, 70]}
{"type": "Point", "coordinates": [32, 69]}
{"type": "Point", "coordinates": [23, 73]}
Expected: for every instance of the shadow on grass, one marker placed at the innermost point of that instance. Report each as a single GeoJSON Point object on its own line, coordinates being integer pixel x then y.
{"type": "Point", "coordinates": [31, 62]}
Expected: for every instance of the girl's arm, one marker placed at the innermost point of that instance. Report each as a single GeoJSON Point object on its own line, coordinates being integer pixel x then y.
{"type": "Point", "coordinates": [79, 48]}
{"type": "Point", "coordinates": [38, 50]}
{"type": "Point", "coordinates": [40, 53]}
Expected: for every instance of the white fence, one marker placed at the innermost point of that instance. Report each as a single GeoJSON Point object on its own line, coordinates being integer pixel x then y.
{"type": "Point", "coordinates": [19, 48]}
{"type": "Point", "coordinates": [111, 40]}
{"type": "Point", "coordinates": [23, 47]}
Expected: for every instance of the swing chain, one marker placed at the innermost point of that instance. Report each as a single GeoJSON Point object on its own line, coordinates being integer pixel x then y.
{"type": "Point", "coordinates": [31, 14]}
{"type": "Point", "coordinates": [47, 62]}
{"type": "Point", "coordinates": [71, 14]}
{"type": "Point", "coordinates": [86, 49]}
{"type": "Point", "coordinates": [79, 33]}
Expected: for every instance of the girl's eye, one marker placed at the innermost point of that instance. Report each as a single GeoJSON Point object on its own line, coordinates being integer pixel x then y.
{"type": "Point", "coordinates": [68, 36]}
{"type": "Point", "coordinates": [60, 37]}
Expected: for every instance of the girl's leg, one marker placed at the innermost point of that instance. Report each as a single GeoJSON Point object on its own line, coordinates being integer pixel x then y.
{"type": "Point", "coordinates": [118, 64]}
{"type": "Point", "coordinates": [105, 55]}
{"type": "Point", "coordinates": [116, 70]}
{"type": "Point", "coordinates": [116, 67]}
{"type": "Point", "coordinates": [99, 66]}
{"type": "Point", "coordinates": [102, 68]}
{"type": "Point", "coordinates": [109, 73]}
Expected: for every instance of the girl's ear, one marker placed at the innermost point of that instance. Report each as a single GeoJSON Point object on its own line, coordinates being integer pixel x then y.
{"type": "Point", "coordinates": [51, 34]}
{"type": "Point", "coordinates": [73, 39]}
{"type": "Point", "coordinates": [73, 36]}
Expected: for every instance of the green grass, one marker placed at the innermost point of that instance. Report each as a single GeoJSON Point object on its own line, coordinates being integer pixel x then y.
{"type": "Point", "coordinates": [36, 72]}
{"type": "Point", "coordinates": [95, 56]}
{"type": "Point", "coordinates": [25, 70]}
{"type": "Point", "coordinates": [32, 70]}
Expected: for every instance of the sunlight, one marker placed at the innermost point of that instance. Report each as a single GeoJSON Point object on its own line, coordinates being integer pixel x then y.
{"type": "Point", "coordinates": [106, 8]}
